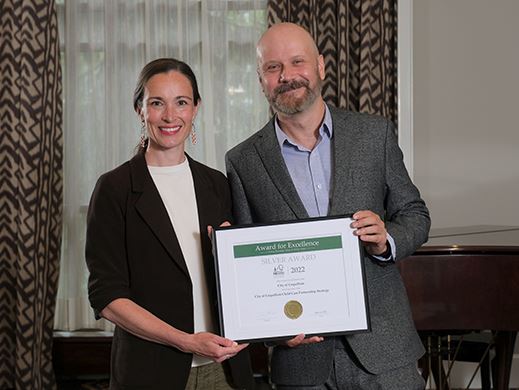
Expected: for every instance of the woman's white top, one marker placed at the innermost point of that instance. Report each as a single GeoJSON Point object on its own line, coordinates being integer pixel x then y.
{"type": "Point", "coordinates": [177, 190]}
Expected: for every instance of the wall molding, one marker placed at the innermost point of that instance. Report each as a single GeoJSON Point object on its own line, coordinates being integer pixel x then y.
{"type": "Point", "coordinates": [405, 82]}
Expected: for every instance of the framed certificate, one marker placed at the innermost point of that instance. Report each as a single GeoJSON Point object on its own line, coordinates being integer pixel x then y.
{"type": "Point", "coordinates": [276, 281]}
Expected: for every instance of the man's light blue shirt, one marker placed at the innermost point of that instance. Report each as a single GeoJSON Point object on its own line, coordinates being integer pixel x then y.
{"type": "Point", "coordinates": [311, 170]}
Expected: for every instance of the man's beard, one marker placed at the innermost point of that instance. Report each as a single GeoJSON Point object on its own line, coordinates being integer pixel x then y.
{"type": "Point", "coordinates": [290, 105]}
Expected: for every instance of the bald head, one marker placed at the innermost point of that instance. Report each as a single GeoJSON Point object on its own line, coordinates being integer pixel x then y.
{"type": "Point", "coordinates": [281, 35]}
{"type": "Point", "coordinates": [290, 69]}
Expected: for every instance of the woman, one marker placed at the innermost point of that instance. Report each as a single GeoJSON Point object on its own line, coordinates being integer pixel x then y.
{"type": "Point", "coordinates": [148, 252]}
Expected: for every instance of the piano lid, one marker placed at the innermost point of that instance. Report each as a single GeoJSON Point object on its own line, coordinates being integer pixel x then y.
{"type": "Point", "coordinates": [481, 238]}
{"type": "Point", "coordinates": [465, 278]}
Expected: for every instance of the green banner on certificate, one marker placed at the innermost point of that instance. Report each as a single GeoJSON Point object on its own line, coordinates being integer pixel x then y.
{"type": "Point", "coordinates": [290, 246]}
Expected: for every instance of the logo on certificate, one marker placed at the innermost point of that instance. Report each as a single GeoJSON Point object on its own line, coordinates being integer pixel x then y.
{"type": "Point", "coordinates": [279, 270]}
{"type": "Point", "coordinates": [293, 309]}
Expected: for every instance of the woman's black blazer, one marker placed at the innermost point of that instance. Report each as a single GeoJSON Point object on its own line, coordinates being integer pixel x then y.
{"type": "Point", "coordinates": [132, 252]}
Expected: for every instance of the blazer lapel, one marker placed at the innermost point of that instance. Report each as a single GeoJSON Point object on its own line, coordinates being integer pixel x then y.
{"type": "Point", "coordinates": [343, 153]}
{"type": "Point", "coordinates": [268, 149]}
{"type": "Point", "coordinates": [205, 205]}
{"type": "Point", "coordinates": [152, 210]}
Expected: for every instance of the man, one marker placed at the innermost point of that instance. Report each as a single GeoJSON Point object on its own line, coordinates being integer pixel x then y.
{"type": "Point", "coordinates": [314, 160]}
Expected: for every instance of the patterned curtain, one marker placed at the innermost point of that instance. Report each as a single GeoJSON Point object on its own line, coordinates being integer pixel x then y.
{"type": "Point", "coordinates": [358, 41]}
{"type": "Point", "coordinates": [30, 190]}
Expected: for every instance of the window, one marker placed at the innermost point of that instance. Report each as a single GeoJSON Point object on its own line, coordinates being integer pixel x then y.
{"type": "Point", "coordinates": [104, 46]}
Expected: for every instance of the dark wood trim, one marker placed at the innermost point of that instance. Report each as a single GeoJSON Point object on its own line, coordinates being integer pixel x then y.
{"type": "Point", "coordinates": [76, 355]}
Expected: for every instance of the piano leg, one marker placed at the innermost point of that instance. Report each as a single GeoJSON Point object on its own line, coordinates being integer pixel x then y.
{"type": "Point", "coordinates": [431, 364]}
{"type": "Point", "coordinates": [502, 363]}
{"type": "Point", "coordinates": [438, 349]}
{"type": "Point", "coordinates": [485, 373]}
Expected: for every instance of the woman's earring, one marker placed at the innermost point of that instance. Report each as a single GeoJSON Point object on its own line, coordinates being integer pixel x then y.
{"type": "Point", "coordinates": [143, 135]}
{"type": "Point", "coordinates": [193, 134]}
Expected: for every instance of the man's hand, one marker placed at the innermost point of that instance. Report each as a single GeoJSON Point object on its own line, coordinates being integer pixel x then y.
{"type": "Point", "coordinates": [301, 340]}
{"type": "Point", "coordinates": [371, 231]}
{"type": "Point", "coordinates": [210, 228]}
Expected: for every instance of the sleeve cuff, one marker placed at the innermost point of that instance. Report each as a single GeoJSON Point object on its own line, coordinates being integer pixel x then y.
{"type": "Point", "coordinates": [390, 253]}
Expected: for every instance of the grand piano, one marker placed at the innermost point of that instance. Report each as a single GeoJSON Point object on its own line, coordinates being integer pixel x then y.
{"type": "Point", "coordinates": [467, 279]}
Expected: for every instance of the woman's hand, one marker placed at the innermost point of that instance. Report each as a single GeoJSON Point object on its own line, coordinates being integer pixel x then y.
{"type": "Point", "coordinates": [211, 346]}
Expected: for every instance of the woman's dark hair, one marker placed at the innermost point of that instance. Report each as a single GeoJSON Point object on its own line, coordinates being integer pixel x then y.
{"type": "Point", "coordinates": [163, 65]}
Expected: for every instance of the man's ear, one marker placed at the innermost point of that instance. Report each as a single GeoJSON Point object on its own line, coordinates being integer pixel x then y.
{"type": "Point", "coordinates": [260, 80]}
{"type": "Point", "coordinates": [320, 66]}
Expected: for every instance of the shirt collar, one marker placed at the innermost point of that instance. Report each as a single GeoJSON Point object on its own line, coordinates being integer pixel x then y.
{"type": "Point", "coordinates": [325, 129]}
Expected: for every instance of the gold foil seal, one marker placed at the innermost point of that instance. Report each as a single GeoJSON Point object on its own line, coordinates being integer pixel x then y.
{"type": "Point", "coordinates": [293, 309]}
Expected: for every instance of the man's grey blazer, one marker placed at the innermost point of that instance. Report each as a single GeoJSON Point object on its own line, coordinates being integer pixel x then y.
{"type": "Point", "coordinates": [367, 174]}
